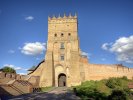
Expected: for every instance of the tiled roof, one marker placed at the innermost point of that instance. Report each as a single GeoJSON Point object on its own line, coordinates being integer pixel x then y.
{"type": "Point", "coordinates": [130, 85]}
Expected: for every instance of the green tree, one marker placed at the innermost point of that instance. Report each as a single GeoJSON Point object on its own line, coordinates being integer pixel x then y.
{"type": "Point", "coordinates": [7, 69]}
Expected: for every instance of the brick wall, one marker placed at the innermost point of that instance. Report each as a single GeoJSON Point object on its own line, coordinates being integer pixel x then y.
{"type": "Point", "coordinates": [101, 71]}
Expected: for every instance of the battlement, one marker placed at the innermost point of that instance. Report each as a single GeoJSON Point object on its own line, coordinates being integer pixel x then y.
{"type": "Point", "coordinates": [6, 77]}
{"type": "Point", "coordinates": [13, 76]}
{"type": "Point", "coordinates": [70, 17]}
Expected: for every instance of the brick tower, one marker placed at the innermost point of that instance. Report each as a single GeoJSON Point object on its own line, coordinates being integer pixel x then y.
{"type": "Point", "coordinates": [63, 45]}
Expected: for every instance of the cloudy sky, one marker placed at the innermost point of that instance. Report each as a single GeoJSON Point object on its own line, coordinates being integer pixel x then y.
{"type": "Point", "coordinates": [105, 30]}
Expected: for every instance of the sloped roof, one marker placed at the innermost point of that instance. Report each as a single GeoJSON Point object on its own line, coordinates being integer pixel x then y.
{"type": "Point", "coordinates": [32, 70]}
{"type": "Point", "coordinates": [130, 85]}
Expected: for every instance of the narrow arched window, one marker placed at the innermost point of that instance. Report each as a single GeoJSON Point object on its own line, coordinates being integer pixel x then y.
{"type": "Point", "coordinates": [69, 34]}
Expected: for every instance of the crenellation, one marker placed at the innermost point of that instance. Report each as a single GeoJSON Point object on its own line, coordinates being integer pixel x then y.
{"type": "Point", "coordinates": [64, 18]}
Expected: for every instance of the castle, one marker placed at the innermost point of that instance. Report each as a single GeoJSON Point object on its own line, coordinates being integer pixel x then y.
{"type": "Point", "coordinates": [64, 65]}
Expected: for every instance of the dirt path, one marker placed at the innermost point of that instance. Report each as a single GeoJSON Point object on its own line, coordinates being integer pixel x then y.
{"type": "Point", "coordinates": [60, 93]}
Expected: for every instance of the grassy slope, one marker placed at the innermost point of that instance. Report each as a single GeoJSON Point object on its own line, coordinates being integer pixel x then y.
{"type": "Point", "coordinates": [100, 89]}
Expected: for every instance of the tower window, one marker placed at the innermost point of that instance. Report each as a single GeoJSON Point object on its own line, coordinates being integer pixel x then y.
{"type": "Point", "coordinates": [62, 57]}
{"type": "Point", "coordinates": [55, 35]}
{"type": "Point", "coordinates": [69, 34]}
{"type": "Point", "coordinates": [62, 46]}
{"type": "Point", "coordinates": [62, 34]}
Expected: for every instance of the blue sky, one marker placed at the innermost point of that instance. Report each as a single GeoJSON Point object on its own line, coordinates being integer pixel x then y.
{"type": "Point", "coordinates": [105, 30]}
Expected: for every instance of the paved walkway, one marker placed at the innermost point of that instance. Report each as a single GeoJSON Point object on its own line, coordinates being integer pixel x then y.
{"type": "Point", "coordinates": [60, 93]}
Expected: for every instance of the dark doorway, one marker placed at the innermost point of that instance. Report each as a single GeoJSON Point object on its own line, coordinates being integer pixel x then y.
{"type": "Point", "coordinates": [61, 80]}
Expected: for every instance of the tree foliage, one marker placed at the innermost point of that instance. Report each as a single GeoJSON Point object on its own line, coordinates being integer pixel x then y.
{"type": "Point", "coordinates": [7, 69]}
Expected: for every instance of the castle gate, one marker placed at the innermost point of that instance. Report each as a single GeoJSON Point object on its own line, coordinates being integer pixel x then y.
{"type": "Point", "coordinates": [61, 80]}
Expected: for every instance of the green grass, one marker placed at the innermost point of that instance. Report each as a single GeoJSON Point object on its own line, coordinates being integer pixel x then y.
{"type": "Point", "coordinates": [46, 89]}
{"type": "Point", "coordinates": [105, 89]}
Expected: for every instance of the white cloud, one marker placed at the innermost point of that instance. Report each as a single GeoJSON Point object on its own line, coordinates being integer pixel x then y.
{"type": "Point", "coordinates": [29, 18]}
{"type": "Point", "coordinates": [22, 73]}
{"type": "Point", "coordinates": [11, 51]}
{"type": "Point", "coordinates": [33, 48]}
{"type": "Point", "coordinates": [15, 67]}
{"type": "Point", "coordinates": [85, 54]}
{"type": "Point", "coordinates": [106, 46]}
{"type": "Point", "coordinates": [123, 48]}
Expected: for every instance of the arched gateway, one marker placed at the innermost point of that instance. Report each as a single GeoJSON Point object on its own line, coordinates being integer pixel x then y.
{"type": "Point", "coordinates": [61, 80]}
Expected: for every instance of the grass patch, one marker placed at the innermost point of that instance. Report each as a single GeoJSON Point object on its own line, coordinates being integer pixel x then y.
{"type": "Point", "coordinates": [46, 89]}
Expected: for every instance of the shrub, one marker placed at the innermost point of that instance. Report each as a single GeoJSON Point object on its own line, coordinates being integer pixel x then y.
{"type": "Point", "coordinates": [90, 92]}
{"type": "Point", "coordinates": [112, 89]}
{"type": "Point", "coordinates": [124, 78]}
{"type": "Point", "coordinates": [113, 83]}
{"type": "Point", "coordinates": [118, 95]}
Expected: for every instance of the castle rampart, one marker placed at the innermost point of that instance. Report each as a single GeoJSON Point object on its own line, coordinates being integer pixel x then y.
{"type": "Point", "coordinates": [102, 71]}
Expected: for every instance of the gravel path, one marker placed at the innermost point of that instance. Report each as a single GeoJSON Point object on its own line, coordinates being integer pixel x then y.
{"type": "Point", "coordinates": [60, 93]}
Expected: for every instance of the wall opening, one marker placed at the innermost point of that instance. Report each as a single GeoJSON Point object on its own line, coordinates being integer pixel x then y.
{"type": "Point", "coordinates": [61, 80]}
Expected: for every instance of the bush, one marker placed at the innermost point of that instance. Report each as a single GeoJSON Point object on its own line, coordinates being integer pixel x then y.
{"type": "Point", "coordinates": [113, 83]}
{"type": "Point", "coordinates": [124, 78]}
{"type": "Point", "coordinates": [118, 95]}
{"type": "Point", "coordinates": [90, 92]}
{"type": "Point", "coordinates": [112, 89]}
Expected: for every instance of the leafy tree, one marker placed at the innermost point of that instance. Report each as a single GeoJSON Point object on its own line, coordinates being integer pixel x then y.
{"type": "Point", "coordinates": [7, 69]}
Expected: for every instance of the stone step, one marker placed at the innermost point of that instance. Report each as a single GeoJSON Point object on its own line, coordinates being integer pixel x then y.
{"type": "Point", "coordinates": [17, 87]}
{"type": "Point", "coordinates": [9, 90]}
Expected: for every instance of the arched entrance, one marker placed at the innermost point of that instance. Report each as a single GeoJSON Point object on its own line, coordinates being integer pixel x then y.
{"type": "Point", "coordinates": [61, 80]}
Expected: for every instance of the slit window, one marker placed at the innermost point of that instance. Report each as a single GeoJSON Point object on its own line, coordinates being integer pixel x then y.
{"type": "Point", "coordinates": [69, 34]}
{"type": "Point", "coordinates": [62, 34]}
{"type": "Point", "coordinates": [62, 46]}
{"type": "Point", "coordinates": [62, 57]}
{"type": "Point", "coordinates": [55, 35]}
